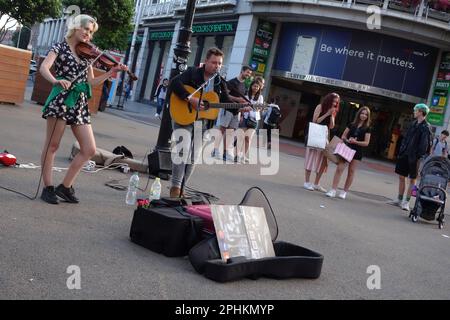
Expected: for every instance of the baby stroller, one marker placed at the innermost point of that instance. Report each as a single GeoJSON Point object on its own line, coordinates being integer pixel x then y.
{"type": "Point", "coordinates": [432, 192]}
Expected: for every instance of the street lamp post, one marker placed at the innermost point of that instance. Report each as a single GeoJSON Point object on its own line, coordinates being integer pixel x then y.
{"type": "Point", "coordinates": [159, 161]}
{"type": "Point", "coordinates": [18, 39]}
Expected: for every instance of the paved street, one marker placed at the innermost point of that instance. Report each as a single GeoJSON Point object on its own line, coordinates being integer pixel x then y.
{"type": "Point", "coordinates": [39, 241]}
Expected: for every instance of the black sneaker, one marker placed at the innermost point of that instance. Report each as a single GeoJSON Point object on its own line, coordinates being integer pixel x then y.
{"type": "Point", "coordinates": [67, 194]}
{"type": "Point", "coordinates": [49, 195]}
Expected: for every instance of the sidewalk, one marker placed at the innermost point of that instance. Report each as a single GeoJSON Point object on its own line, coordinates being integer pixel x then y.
{"type": "Point", "coordinates": [41, 241]}
{"type": "Point", "coordinates": [144, 113]}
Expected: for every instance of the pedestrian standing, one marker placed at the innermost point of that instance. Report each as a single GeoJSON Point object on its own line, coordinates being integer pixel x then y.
{"type": "Point", "coordinates": [271, 119]}
{"type": "Point", "coordinates": [315, 160]}
{"type": "Point", "coordinates": [229, 119]}
{"type": "Point", "coordinates": [160, 94]}
{"type": "Point", "coordinates": [440, 147]}
{"type": "Point", "coordinates": [415, 145]}
{"type": "Point", "coordinates": [250, 119]}
{"type": "Point", "coordinates": [356, 136]}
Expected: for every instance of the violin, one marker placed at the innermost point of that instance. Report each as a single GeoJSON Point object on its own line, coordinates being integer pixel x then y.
{"type": "Point", "coordinates": [89, 51]}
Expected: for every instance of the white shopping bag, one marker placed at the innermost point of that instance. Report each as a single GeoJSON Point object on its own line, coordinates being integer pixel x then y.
{"type": "Point", "coordinates": [317, 136]}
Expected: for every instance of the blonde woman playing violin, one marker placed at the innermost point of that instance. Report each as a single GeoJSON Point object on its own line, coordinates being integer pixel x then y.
{"type": "Point", "coordinates": [67, 105]}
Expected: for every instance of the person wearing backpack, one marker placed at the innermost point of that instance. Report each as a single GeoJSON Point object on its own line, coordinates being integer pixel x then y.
{"type": "Point", "coordinates": [271, 119]}
{"type": "Point", "coordinates": [440, 148]}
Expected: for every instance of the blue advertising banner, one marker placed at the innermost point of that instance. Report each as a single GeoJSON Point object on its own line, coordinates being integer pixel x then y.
{"type": "Point", "coordinates": [361, 57]}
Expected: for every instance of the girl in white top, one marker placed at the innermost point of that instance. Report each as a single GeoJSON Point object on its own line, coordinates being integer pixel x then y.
{"type": "Point", "coordinates": [250, 119]}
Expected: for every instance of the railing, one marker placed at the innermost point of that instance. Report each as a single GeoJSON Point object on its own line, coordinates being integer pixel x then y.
{"type": "Point", "coordinates": [433, 9]}
{"type": "Point", "coordinates": [421, 9]}
{"type": "Point", "coordinates": [168, 8]}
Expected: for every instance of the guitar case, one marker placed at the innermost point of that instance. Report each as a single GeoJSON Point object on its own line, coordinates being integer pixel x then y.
{"type": "Point", "coordinates": [290, 261]}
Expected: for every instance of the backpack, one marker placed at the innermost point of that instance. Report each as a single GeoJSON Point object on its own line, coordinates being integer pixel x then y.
{"type": "Point", "coordinates": [274, 117]}
{"type": "Point", "coordinates": [434, 144]}
{"type": "Point", "coordinates": [121, 150]}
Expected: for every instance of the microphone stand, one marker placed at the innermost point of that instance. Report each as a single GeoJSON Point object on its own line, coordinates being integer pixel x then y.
{"type": "Point", "coordinates": [191, 149]}
{"type": "Point", "coordinates": [203, 85]}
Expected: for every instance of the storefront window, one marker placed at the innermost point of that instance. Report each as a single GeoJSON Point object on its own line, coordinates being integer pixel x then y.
{"type": "Point", "coordinates": [194, 46]}
{"type": "Point", "coordinates": [227, 48]}
{"type": "Point", "coordinates": [209, 42]}
{"type": "Point", "coordinates": [152, 70]}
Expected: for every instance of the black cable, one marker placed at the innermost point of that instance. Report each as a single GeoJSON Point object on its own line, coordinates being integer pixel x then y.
{"type": "Point", "coordinates": [148, 179]}
{"type": "Point", "coordinates": [42, 168]}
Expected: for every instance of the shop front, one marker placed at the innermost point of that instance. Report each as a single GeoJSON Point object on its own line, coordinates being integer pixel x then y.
{"type": "Point", "coordinates": [387, 74]}
{"type": "Point", "coordinates": [205, 35]}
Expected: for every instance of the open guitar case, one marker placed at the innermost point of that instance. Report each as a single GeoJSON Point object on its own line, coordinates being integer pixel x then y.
{"type": "Point", "coordinates": [290, 261]}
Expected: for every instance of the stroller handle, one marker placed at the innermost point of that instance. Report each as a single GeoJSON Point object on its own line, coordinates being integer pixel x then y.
{"type": "Point", "coordinates": [434, 187]}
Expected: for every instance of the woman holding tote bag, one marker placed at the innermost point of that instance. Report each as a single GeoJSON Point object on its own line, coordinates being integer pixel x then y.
{"type": "Point", "coordinates": [315, 160]}
{"type": "Point", "coordinates": [356, 136]}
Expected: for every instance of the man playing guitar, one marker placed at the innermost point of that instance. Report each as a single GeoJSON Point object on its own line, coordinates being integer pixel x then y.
{"type": "Point", "coordinates": [195, 77]}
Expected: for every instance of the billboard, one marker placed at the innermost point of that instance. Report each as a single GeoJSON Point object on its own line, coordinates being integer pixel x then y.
{"type": "Point", "coordinates": [355, 56]}
{"type": "Point", "coordinates": [262, 46]}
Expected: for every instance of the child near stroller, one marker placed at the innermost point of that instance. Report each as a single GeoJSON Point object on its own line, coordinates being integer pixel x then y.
{"type": "Point", "coordinates": [432, 191]}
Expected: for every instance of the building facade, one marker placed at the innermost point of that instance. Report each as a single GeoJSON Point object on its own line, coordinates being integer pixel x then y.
{"type": "Point", "coordinates": [387, 55]}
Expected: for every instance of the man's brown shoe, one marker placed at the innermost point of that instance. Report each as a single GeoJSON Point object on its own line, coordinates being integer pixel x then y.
{"type": "Point", "coordinates": [175, 192]}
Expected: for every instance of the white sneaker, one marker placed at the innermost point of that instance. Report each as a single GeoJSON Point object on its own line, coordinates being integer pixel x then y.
{"type": "Point", "coordinates": [405, 205]}
{"type": "Point", "coordinates": [397, 203]}
{"type": "Point", "coordinates": [156, 115]}
{"type": "Point", "coordinates": [308, 186]}
{"type": "Point", "coordinates": [318, 187]}
{"type": "Point", "coordinates": [331, 193]}
{"type": "Point", "coordinates": [342, 194]}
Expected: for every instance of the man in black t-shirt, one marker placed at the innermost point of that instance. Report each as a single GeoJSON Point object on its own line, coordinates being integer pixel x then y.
{"type": "Point", "coordinates": [229, 119]}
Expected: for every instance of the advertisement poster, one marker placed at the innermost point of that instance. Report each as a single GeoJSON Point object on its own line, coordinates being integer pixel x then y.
{"type": "Point", "coordinates": [262, 46]}
{"type": "Point", "coordinates": [355, 56]}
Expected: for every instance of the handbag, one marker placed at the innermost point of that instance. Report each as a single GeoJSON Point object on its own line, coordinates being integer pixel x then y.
{"type": "Point", "coordinates": [345, 151]}
{"type": "Point", "coordinates": [331, 147]}
{"type": "Point", "coordinates": [250, 123]}
{"type": "Point", "coordinates": [317, 136]}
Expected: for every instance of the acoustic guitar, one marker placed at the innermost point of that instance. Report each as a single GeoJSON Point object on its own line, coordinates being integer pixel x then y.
{"type": "Point", "coordinates": [184, 114]}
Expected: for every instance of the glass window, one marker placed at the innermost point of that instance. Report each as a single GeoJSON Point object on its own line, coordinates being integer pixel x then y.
{"type": "Point", "coordinates": [193, 47]}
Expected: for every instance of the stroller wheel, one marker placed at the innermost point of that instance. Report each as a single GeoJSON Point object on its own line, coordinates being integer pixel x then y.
{"type": "Point", "coordinates": [414, 218]}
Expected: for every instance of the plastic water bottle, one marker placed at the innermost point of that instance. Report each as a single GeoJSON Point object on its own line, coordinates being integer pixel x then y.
{"type": "Point", "coordinates": [132, 188]}
{"type": "Point", "coordinates": [155, 190]}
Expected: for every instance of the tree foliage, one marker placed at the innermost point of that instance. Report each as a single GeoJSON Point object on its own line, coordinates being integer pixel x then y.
{"type": "Point", "coordinates": [27, 12]}
{"type": "Point", "coordinates": [114, 20]}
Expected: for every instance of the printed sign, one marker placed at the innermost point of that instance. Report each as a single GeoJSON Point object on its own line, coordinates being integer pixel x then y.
{"type": "Point", "coordinates": [262, 46]}
{"type": "Point", "coordinates": [242, 232]}
{"type": "Point", "coordinates": [355, 56]}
